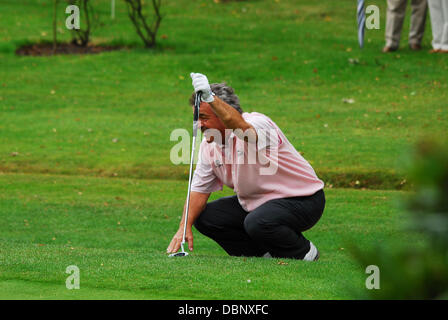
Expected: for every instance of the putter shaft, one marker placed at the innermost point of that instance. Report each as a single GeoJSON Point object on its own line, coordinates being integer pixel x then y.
{"type": "Point", "coordinates": [195, 130]}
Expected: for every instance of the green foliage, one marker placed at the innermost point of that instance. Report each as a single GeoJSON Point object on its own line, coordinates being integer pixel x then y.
{"type": "Point", "coordinates": [418, 272]}
{"type": "Point", "coordinates": [429, 205]}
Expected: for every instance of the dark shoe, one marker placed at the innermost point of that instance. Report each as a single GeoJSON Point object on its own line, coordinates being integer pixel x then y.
{"type": "Point", "coordinates": [389, 49]}
{"type": "Point", "coordinates": [415, 47]}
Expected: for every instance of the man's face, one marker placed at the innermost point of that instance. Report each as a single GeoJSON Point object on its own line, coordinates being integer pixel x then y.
{"type": "Point", "coordinates": [209, 120]}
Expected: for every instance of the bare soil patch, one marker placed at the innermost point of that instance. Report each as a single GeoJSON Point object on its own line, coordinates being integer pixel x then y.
{"type": "Point", "coordinates": [46, 49]}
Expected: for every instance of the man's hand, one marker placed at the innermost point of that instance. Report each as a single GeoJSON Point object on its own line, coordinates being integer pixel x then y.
{"type": "Point", "coordinates": [177, 240]}
{"type": "Point", "coordinates": [200, 83]}
{"type": "Point", "coordinates": [198, 201]}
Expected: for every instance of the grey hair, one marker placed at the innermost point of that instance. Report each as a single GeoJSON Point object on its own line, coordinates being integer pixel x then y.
{"type": "Point", "coordinates": [225, 93]}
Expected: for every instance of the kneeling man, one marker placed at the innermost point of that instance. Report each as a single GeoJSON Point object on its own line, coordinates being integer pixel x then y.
{"type": "Point", "coordinates": [278, 194]}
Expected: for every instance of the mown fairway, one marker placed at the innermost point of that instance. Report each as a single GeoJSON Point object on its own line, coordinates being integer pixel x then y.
{"type": "Point", "coordinates": [116, 231]}
{"type": "Point", "coordinates": [85, 171]}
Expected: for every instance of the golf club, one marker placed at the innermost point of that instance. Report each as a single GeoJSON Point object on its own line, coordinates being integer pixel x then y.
{"type": "Point", "coordinates": [197, 102]}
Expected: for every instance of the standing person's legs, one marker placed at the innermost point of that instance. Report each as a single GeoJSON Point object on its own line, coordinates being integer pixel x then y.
{"type": "Point", "coordinates": [418, 20]}
{"type": "Point", "coordinates": [445, 26]}
{"type": "Point", "coordinates": [278, 224]}
{"type": "Point", "coordinates": [223, 221]}
{"type": "Point", "coordinates": [396, 10]}
{"type": "Point", "coordinates": [436, 15]}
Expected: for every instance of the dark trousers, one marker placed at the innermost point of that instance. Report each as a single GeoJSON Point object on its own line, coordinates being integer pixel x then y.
{"type": "Point", "coordinates": [275, 227]}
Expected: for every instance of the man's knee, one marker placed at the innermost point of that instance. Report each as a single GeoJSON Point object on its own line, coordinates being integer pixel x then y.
{"type": "Point", "coordinates": [256, 227]}
{"type": "Point", "coordinates": [205, 223]}
{"type": "Point", "coordinates": [201, 223]}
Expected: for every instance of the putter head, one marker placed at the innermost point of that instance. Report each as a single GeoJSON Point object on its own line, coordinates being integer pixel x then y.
{"type": "Point", "coordinates": [178, 254]}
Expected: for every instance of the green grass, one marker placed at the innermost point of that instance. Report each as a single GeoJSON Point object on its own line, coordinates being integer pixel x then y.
{"type": "Point", "coordinates": [295, 68]}
{"type": "Point", "coordinates": [116, 231]}
{"type": "Point", "coordinates": [85, 171]}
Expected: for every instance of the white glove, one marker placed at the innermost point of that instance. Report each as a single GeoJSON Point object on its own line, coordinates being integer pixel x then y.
{"type": "Point", "coordinates": [200, 83]}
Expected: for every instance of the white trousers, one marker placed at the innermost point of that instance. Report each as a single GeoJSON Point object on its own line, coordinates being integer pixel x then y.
{"type": "Point", "coordinates": [438, 10]}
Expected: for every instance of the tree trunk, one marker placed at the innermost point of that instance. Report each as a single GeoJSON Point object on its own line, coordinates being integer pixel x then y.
{"type": "Point", "coordinates": [146, 32]}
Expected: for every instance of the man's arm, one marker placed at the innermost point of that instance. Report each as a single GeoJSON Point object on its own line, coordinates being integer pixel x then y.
{"type": "Point", "coordinates": [198, 201]}
{"type": "Point", "coordinates": [231, 118]}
